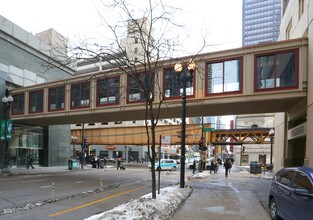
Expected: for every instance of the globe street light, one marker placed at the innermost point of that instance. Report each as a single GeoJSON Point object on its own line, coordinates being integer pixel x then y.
{"type": "Point", "coordinates": [74, 141]}
{"type": "Point", "coordinates": [6, 101]}
{"type": "Point", "coordinates": [184, 78]}
{"type": "Point", "coordinates": [271, 134]}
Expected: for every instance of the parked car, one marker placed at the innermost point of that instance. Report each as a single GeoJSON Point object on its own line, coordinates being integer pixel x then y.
{"type": "Point", "coordinates": [109, 160]}
{"type": "Point", "coordinates": [166, 164]}
{"type": "Point", "coordinates": [291, 194]}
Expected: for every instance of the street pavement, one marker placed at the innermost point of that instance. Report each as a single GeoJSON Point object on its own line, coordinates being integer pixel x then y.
{"type": "Point", "coordinates": [241, 196]}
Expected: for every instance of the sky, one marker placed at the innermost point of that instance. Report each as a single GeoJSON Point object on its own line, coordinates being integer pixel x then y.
{"type": "Point", "coordinates": [218, 20]}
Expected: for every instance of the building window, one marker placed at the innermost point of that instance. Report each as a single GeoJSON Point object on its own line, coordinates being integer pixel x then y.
{"type": "Point", "coordinates": [56, 98]}
{"type": "Point", "coordinates": [174, 86]}
{"type": "Point", "coordinates": [108, 91]}
{"type": "Point", "coordinates": [288, 30]}
{"type": "Point", "coordinates": [139, 87]}
{"type": "Point", "coordinates": [18, 104]}
{"type": "Point", "coordinates": [224, 76]}
{"type": "Point", "coordinates": [277, 71]}
{"type": "Point", "coordinates": [301, 8]}
{"type": "Point", "coordinates": [80, 95]}
{"type": "Point", "coordinates": [36, 101]}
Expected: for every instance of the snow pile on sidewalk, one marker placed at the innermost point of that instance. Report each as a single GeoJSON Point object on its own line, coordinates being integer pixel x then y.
{"type": "Point", "coordinates": [147, 208]}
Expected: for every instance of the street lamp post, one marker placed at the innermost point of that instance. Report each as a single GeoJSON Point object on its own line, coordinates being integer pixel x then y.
{"type": "Point", "coordinates": [184, 79]}
{"type": "Point", "coordinates": [7, 101]}
{"type": "Point", "coordinates": [74, 141]}
{"type": "Point", "coordinates": [271, 134]}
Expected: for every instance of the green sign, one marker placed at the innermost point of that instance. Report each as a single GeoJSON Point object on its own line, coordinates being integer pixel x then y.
{"type": "Point", "coordinates": [208, 129]}
{"type": "Point", "coordinates": [6, 127]}
{"type": "Point", "coordinates": [2, 130]}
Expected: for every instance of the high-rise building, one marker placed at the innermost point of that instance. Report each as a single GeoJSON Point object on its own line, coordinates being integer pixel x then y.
{"type": "Point", "coordinates": [260, 21]}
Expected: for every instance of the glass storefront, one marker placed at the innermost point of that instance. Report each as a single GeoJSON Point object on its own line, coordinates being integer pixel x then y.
{"type": "Point", "coordinates": [26, 141]}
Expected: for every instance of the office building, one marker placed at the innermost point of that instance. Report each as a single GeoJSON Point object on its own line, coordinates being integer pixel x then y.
{"type": "Point", "coordinates": [260, 21]}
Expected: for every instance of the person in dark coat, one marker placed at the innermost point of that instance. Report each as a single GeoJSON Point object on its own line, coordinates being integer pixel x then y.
{"type": "Point", "coordinates": [194, 167]}
{"type": "Point", "coordinates": [227, 166]}
{"type": "Point", "coordinates": [99, 165]}
{"type": "Point", "coordinates": [118, 164]}
{"type": "Point", "coordinates": [212, 166]}
{"type": "Point", "coordinates": [30, 161]}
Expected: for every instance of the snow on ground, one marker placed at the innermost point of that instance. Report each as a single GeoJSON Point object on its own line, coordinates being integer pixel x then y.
{"type": "Point", "coordinates": [147, 208]}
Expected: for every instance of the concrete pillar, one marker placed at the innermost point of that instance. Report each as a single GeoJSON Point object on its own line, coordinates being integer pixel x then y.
{"type": "Point", "coordinates": [309, 137]}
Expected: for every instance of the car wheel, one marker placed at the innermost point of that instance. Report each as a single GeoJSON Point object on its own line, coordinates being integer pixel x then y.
{"type": "Point", "coordinates": [273, 209]}
{"type": "Point", "coordinates": [174, 168]}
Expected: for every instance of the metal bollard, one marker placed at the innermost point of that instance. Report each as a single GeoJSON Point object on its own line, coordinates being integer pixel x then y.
{"type": "Point", "coordinates": [52, 192]}
{"type": "Point", "coordinates": [101, 184]}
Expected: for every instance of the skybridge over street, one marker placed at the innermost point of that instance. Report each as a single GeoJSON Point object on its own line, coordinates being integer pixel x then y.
{"type": "Point", "coordinates": [263, 78]}
{"type": "Point", "coordinates": [136, 135]}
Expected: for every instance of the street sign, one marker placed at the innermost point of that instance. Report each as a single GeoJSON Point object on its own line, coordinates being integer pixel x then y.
{"type": "Point", "coordinates": [9, 129]}
{"type": "Point", "coordinates": [208, 129]}
{"type": "Point", "coordinates": [2, 129]}
{"type": "Point", "coordinates": [166, 140]}
{"type": "Point", "coordinates": [6, 127]}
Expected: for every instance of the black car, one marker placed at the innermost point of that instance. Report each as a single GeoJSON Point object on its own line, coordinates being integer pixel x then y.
{"type": "Point", "coordinates": [291, 194]}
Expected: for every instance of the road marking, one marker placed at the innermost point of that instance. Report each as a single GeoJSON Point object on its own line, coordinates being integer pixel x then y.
{"type": "Point", "coordinates": [42, 187]}
{"type": "Point", "coordinates": [79, 182]}
{"type": "Point", "coordinates": [17, 178]}
{"type": "Point", "coordinates": [33, 181]}
{"type": "Point", "coordinates": [94, 202]}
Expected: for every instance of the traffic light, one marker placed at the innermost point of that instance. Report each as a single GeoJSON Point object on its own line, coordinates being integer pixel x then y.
{"type": "Point", "coordinates": [201, 144]}
{"type": "Point", "coordinates": [85, 145]}
{"type": "Point", "coordinates": [243, 149]}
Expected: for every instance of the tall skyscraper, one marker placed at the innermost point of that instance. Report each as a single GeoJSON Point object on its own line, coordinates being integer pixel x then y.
{"type": "Point", "coordinates": [260, 21]}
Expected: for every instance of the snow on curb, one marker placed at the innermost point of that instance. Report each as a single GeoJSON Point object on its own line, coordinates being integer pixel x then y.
{"type": "Point", "coordinates": [147, 208]}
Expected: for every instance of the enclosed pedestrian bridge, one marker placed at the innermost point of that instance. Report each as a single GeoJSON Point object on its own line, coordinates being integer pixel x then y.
{"type": "Point", "coordinates": [255, 79]}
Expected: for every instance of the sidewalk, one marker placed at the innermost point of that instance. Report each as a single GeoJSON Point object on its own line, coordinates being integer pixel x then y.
{"type": "Point", "coordinates": [216, 197]}
{"type": "Point", "coordinates": [43, 170]}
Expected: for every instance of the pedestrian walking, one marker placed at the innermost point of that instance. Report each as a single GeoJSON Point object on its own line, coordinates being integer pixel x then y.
{"type": "Point", "coordinates": [118, 164]}
{"type": "Point", "coordinates": [30, 161]}
{"type": "Point", "coordinates": [194, 167]}
{"type": "Point", "coordinates": [99, 164]}
{"type": "Point", "coordinates": [227, 166]}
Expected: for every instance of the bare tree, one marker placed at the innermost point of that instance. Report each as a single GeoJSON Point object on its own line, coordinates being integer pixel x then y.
{"type": "Point", "coordinates": [141, 56]}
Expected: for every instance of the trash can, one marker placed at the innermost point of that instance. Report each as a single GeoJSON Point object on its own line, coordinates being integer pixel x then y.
{"type": "Point", "coordinates": [73, 164]}
{"type": "Point", "coordinates": [253, 165]}
{"type": "Point", "coordinates": [258, 168]}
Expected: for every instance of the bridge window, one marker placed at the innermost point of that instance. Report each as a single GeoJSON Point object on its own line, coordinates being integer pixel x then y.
{"type": "Point", "coordinates": [139, 87]}
{"type": "Point", "coordinates": [108, 91]}
{"type": "Point", "coordinates": [224, 76]}
{"type": "Point", "coordinates": [174, 86]}
{"type": "Point", "coordinates": [36, 101]}
{"type": "Point", "coordinates": [18, 104]}
{"type": "Point", "coordinates": [56, 98]}
{"type": "Point", "coordinates": [80, 95]}
{"type": "Point", "coordinates": [277, 71]}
